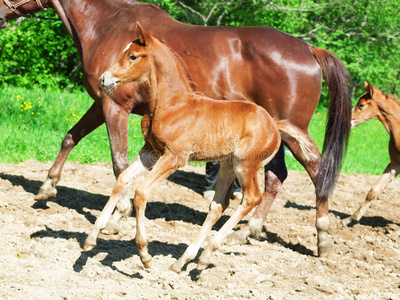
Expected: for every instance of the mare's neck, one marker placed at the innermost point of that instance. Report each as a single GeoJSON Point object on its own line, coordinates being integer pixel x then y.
{"type": "Point", "coordinates": [81, 18]}
{"type": "Point", "coordinates": [90, 21]}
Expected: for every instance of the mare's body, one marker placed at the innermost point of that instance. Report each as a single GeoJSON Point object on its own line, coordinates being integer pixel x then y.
{"type": "Point", "coordinates": [374, 104]}
{"type": "Point", "coordinates": [261, 64]}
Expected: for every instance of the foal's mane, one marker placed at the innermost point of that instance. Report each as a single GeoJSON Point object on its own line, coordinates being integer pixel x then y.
{"type": "Point", "coordinates": [393, 97]}
{"type": "Point", "coordinates": [181, 65]}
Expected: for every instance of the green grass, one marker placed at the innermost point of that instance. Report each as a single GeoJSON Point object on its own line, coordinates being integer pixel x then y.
{"type": "Point", "coordinates": [367, 151]}
{"type": "Point", "coordinates": [34, 122]}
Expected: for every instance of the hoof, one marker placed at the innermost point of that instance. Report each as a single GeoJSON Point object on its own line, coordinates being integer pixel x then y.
{"type": "Point", "coordinates": [175, 267]}
{"type": "Point", "coordinates": [90, 243]}
{"type": "Point", "coordinates": [111, 229]}
{"type": "Point", "coordinates": [349, 220]}
{"type": "Point", "coordinates": [147, 262]}
{"type": "Point", "coordinates": [236, 238]}
{"type": "Point", "coordinates": [324, 250]}
{"type": "Point", "coordinates": [202, 266]}
{"type": "Point", "coordinates": [46, 194]}
{"type": "Point", "coordinates": [204, 260]}
{"type": "Point", "coordinates": [88, 247]}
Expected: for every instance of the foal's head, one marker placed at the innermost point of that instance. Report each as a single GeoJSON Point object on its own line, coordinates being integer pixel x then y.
{"type": "Point", "coordinates": [133, 64]}
{"type": "Point", "coordinates": [145, 59]}
{"type": "Point", "coordinates": [367, 106]}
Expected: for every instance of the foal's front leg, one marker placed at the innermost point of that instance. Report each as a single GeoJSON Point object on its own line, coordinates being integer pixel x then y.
{"type": "Point", "coordinates": [166, 165]}
{"type": "Point", "coordinates": [390, 173]}
{"type": "Point", "coordinates": [144, 161]}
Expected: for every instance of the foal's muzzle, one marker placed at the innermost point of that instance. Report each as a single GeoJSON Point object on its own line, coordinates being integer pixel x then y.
{"type": "Point", "coordinates": [107, 82]}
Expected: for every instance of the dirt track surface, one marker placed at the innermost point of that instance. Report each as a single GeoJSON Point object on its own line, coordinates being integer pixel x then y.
{"type": "Point", "coordinates": [41, 242]}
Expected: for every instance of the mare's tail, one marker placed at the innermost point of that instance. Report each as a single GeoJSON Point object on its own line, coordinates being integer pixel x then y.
{"type": "Point", "coordinates": [338, 123]}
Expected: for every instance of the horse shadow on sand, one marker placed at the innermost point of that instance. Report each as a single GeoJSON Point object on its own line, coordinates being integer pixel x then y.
{"type": "Point", "coordinates": [372, 221]}
{"type": "Point", "coordinates": [82, 202]}
{"type": "Point", "coordinates": [116, 250]}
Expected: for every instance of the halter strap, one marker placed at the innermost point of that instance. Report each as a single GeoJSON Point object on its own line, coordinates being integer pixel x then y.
{"type": "Point", "coordinates": [13, 7]}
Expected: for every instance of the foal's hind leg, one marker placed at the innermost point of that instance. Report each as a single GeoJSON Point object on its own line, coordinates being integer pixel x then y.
{"type": "Point", "coordinates": [251, 197]}
{"type": "Point", "coordinates": [390, 173]}
{"type": "Point", "coordinates": [218, 205]}
{"type": "Point", "coordinates": [143, 161]}
{"type": "Point", "coordinates": [92, 119]}
{"type": "Point", "coordinates": [275, 174]}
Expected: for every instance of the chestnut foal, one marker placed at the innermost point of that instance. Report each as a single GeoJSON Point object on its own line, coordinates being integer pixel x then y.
{"type": "Point", "coordinates": [374, 104]}
{"type": "Point", "coordinates": [181, 125]}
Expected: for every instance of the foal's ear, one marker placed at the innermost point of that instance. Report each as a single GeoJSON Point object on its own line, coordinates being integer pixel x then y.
{"type": "Point", "coordinates": [141, 34]}
{"type": "Point", "coordinates": [369, 88]}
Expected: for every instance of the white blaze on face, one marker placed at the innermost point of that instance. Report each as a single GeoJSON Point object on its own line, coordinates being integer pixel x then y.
{"type": "Point", "coordinates": [127, 47]}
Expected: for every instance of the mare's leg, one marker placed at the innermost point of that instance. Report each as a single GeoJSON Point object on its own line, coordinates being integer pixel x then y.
{"type": "Point", "coordinates": [92, 119]}
{"type": "Point", "coordinates": [218, 205]}
{"type": "Point", "coordinates": [144, 161]}
{"type": "Point", "coordinates": [275, 174]}
{"type": "Point", "coordinates": [117, 119]}
{"type": "Point", "coordinates": [166, 165]}
{"type": "Point", "coordinates": [247, 175]}
{"type": "Point", "coordinates": [390, 173]}
{"type": "Point", "coordinates": [306, 152]}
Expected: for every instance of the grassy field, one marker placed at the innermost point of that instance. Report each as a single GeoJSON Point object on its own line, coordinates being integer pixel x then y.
{"type": "Point", "coordinates": [34, 122]}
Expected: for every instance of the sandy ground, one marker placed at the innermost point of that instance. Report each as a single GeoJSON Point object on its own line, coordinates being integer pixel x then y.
{"type": "Point", "coordinates": [41, 242]}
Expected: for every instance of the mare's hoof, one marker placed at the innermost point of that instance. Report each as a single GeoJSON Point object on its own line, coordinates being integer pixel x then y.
{"type": "Point", "coordinates": [46, 194]}
{"type": "Point", "coordinates": [325, 250]}
{"type": "Point", "coordinates": [236, 238]}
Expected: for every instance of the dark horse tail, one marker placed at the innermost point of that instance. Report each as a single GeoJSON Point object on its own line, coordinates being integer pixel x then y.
{"type": "Point", "coordinates": [337, 131]}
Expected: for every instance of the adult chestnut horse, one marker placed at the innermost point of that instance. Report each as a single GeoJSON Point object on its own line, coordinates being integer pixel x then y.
{"type": "Point", "coordinates": [275, 70]}
{"type": "Point", "coordinates": [182, 125]}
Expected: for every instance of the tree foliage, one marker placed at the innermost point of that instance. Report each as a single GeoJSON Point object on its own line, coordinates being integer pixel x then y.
{"type": "Point", "coordinates": [365, 34]}
{"type": "Point", "coordinates": [38, 52]}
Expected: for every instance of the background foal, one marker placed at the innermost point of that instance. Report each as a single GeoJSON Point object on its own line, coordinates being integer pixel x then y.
{"type": "Point", "coordinates": [374, 104]}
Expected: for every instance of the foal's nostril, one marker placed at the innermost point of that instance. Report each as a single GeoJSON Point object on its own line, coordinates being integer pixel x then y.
{"type": "Point", "coordinates": [102, 80]}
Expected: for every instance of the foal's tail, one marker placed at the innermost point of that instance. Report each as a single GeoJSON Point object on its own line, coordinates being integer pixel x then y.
{"type": "Point", "coordinates": [337, 131]}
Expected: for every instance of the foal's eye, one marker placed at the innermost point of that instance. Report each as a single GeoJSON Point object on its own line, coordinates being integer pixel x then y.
{"type": "Point", "coordinates": [132, 57]}
{"type": "Point", "coordinates": [361, 106]}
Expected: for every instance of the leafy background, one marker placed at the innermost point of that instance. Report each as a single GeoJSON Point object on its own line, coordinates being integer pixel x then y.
{"type": "Point", "coordinates": [363, 33]}
{"type": "Point", "coordinates": [41, 94]}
